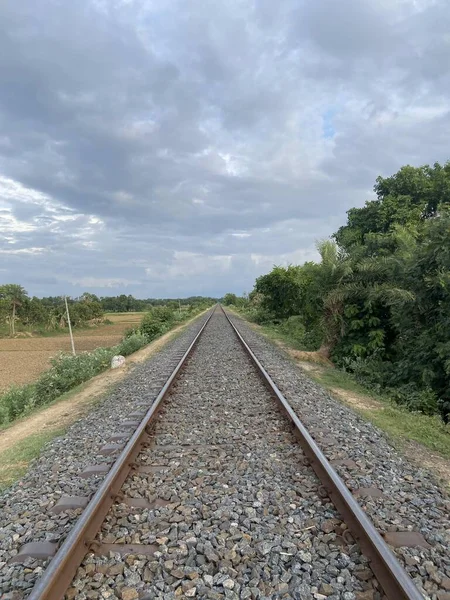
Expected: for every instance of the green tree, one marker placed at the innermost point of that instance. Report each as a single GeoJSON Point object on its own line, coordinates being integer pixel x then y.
{"type": "Point", "coordinates": [4, 310]}
{"type": "Point", "coordinates": [88, 297]}
{"type": "Point", "coordinates": [230, 299]}
{"type": "Point", "coordinates": [280, 291]}
{"type": "Point", "coordinates": [333, 269]}
{"type": "Point", "coordinates": [14, 295]}
{"type": "Point", "coordinates": [407, 198]}
{"type": "Point", "coordinates": [32, 311]}
{"type": "Point", "coordinates": [361, 308]}
{"type": "Point", "coordinates": [422, 349]}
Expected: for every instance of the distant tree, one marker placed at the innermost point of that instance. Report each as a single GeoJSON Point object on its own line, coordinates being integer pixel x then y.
{"type": "Point", "coordinates": [33, 311]}
{"type": "Point", "coordinates": [280, 290]}
{"type": "Point", "coordinates": [87, 297]}
{"type": "Point", "coordinates": [14, 295]}
{"type": "Point", "coordinates": [230, 299]}
{"type": "Point", "coordinates": [4, 310]}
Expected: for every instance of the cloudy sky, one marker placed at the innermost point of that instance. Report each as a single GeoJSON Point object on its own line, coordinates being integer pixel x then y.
{"type": "Point", "coordinates": [167, 148]}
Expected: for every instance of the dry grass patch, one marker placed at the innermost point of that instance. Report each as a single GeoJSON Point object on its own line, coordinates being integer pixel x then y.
{"type": "Point", "coordinates": [309, 357]}
{"type": "Point", "coordinates": [22, 366]}
{"type": "Point", "coordinates": [23, 360]}
{"type": "Point", "coordinates": [129, 317]}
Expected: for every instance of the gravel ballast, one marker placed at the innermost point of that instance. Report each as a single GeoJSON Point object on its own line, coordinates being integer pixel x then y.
{"type": "Point", "coordinates": [239, 515]}
{"type": "Point", "coordinates": [243, 517]}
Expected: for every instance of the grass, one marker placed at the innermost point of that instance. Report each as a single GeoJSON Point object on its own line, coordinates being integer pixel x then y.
{"type": "Point", "coordinates": [35, 411]}
{"type": "Point", "coordinates": [15, 460]}
{"type": "Point", "coordinates": [399, 423]}
{"type": "Point", "coordinates": [131, 313]}
{"type": "Point", "coordinates": [335, 378]}
{"type": "Point", "coordinates": [118, 317]}
{"type": "Point", "coordinates": [274, 333]}
{"type": "Point", "coordinates": [404, 425]}
{"type": "Point", "coordinates": [44, 331]}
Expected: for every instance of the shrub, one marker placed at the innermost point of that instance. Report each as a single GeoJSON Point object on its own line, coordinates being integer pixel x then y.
{"type": "Point", "coordinates": [379, 376]}
{"type": "Point", "coordinates": [163, 314]}
{"type": "Point", "coordinates": [68, 371]}
{"type": "Point", "coordinates": [306, 339]}
{"type": "Point", "coordinates": [131, 331]}
{"type": "Point", "coordinates": [159, 320]}
{"type": "Point", "coordinates": [258, 315]}
{"type": "Point", "coordinates": [132, 343]}
{"type": "Point", "coordinates": [424, 401]}
{"type": "Point", "coordinates": [15, 402]}
{"type": "Point", "coordinates": [370, 372]}
{"type": "Point", "coordinates": [151, 328]}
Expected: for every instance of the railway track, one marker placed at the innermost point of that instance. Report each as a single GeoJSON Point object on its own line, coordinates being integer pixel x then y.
{"type": "Point", "coordinates": [211, 496]}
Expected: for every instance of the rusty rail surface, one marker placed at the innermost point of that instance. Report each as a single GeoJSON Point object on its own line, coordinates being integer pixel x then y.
{"type": "Point", "coordinates": [395, 581]}
{"type": "Point", "coordinates": [63, 566]}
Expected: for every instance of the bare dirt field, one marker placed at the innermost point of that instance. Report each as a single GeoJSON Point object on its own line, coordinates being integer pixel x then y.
{"type": "Point", "coordinates": [23, 359]}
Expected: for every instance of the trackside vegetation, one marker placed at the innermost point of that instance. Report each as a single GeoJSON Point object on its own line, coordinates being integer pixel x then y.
{"type": "Point", "coordinates": [378, 301]}
{"type": "Point", "coordinates": [68, 371]}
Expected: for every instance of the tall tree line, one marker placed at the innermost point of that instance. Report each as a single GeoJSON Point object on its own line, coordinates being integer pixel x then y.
{"type": "Point", "coordinates": [378, 302]}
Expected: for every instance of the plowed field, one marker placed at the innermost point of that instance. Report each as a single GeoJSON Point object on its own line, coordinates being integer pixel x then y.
{"type": "Point", "coordinates": [23, 359]}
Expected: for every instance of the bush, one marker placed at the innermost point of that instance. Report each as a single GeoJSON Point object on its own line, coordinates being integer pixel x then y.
{"type": "Point", "coordinates": [159, 320]}
{"type": "Point", "coordinates": [132, 344]}
{"type": "Point", "coordinates": [163, 314]}
{"type": "Point", "coordinates": [370, 372]}
{"type": "Point", "coordinates": [379, 375]}
{"type": "Point", "coordinates": [306, 339]}
{"type": "Point", "coordinates": [15, 402]}
{"type": "Point", "coordinates": [69, 371]}
{"type": "Point", "coordinates": [424, 401]}
{"type": "Point", "coordinates": [258, 315]}
{"type": "Point", "coordinates": [150, 328]}
{"type": "Point", "coordinates": [131, 331]}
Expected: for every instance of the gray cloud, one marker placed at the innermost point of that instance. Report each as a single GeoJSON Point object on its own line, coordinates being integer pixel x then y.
{"type": "Point", "coordinates": [180, 148]}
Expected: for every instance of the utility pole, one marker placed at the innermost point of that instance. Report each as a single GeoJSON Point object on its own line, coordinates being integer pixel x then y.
{"type": "Point", "coordinates": [70, 326]}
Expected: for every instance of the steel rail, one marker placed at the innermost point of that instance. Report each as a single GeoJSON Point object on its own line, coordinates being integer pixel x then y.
{"type": "Point", "coordinates": [393, 578]}
{"type": "Point", "coordinates": [63, 566]}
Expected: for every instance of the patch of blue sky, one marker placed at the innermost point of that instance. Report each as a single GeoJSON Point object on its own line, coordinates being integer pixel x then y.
{"type": "Point", "coordinates": [328, 129]}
